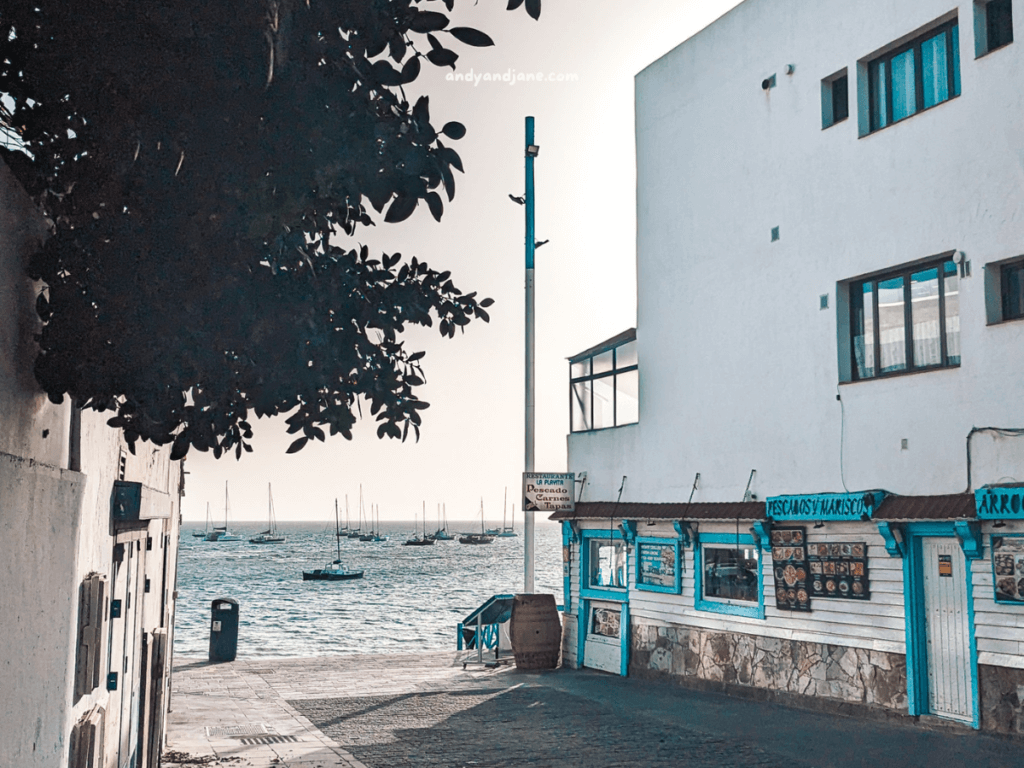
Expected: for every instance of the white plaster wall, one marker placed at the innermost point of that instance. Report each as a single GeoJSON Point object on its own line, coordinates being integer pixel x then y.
{"type": "Point", "coordinates": [55, 524]}
{"type": "Point", "coordinates": [738, 366]}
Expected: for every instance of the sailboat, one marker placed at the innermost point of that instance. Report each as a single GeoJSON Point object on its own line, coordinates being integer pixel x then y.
{"type": "Point", "coordinates": [202, 534]}
{"type": "Point", "coordinates": [417, 540]}
{"type": "Point", "coordinates": [477, 538]}
{"type": "Point", "coordinates": [336, 570]}
{"type": "Point", "coordinates": [507, 531]}
{"type": "Point", "coordinates": [368, 536]}
{"type": "Point", "coordinates": [355, 533]}
{"type": "Point", "coordinates": [442, 530]}
{"type": "Point", "coordinates": [269, 536]}
{"type": "Point", "coordinates": [221, 533]}
{"type": "Point", "coordinates": [378, 535]}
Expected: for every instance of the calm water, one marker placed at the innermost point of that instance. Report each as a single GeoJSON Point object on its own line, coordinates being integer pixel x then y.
{"type": "Point", "coordinates": [409, 599]}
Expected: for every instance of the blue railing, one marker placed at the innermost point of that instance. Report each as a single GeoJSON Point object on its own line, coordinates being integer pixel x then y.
{"type": "Point", "coordinates": [482, 628]}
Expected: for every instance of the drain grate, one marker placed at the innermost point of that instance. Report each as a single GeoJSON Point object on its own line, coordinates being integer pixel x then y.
{"type": "Point", "coordinates": [234, 731]}
{"type": "Point", "coordinates": [269, 738]}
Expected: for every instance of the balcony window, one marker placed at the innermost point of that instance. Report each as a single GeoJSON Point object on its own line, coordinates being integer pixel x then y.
{"type": "Point", "coordinates": [604, 385]}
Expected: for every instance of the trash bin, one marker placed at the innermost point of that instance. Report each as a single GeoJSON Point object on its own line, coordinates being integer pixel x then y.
{"type": "Point", "coordinates": [224, 629]}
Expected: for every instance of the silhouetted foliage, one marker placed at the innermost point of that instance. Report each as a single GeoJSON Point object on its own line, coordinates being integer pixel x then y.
{"type": "Point", "coordinates": [199, 161]}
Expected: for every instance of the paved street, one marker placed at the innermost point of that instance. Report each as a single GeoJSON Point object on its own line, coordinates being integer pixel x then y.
{"type": "Point", "coordinates": [424, 710]}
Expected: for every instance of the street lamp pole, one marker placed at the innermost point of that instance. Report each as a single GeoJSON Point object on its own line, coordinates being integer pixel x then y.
{"type": "Point", "coordinates": [528, 530]}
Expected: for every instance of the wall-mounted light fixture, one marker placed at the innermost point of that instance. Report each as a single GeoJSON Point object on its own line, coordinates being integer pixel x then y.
{"type": "Point", "coordinates": [768, 83]}
{"type": "Point", "coordinates": [532, 150]}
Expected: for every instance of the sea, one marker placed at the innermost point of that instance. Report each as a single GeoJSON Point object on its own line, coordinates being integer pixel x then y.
{"type": "Point", "coordinates": [410, 598]}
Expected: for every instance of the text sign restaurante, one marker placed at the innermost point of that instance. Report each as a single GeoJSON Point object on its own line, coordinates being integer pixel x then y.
{"type": "Point", "coordinates": [549, 492]}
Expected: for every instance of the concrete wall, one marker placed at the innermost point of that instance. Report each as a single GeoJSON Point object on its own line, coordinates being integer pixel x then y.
{"type": "Point", "coordinates": [738, 365]}
{"type": "Point", "coordinates": [56, 529]}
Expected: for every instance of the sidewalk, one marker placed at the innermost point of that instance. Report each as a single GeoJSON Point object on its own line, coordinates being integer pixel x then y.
{"type": "Point", "coordinates": [425, 711]}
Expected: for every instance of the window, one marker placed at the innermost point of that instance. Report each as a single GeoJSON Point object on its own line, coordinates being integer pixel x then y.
{"type": "Point", "coordinates": [1011, 278]}
{"type": "Point", "coordinates": [835, 99]}
{"type": "Point", "coordinates": [604, 388]}
{"type": "Point", "coordinates": [906, 320]}
{"type": "Point", "coordinates": [728, 575]}
{"type": "Point", "coordinates": [993, 25]}
{"type": "Point", "coordinates": [606, 564]}
{"type": "Point", "coordinates": [915, 76]}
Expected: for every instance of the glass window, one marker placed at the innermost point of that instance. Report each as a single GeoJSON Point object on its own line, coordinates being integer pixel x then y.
{"type": "Point", "coordinates": [604, 389]}
{"type": "Point", "coordinates": [924, 311]}
{"type": "Point", "coordinates": [915, 76]}
{"type": "Point", "coordinates": [730, 573]}
{"type": "Point", "coordinates": [883, 309]}
{"type": "Point", "coordinates": [998, 24]}
{"type": "Point", "coordinates": [891, 318]}
{"type": "Point", "coordinates": [581, 419]}
{"type": "Point", "coordinates": [1012, 279]}
{"type": "Point", "coordinates": [604, 402]}
{"type": "Point", "coordinates": [607, 563]}
{"type": "Point", "coordinates": [840, 99]}
{"type": "Point", "coordinates": [627, 397]}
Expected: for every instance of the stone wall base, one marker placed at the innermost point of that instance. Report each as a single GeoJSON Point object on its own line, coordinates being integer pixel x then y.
{"type": "Point", "coordinates": [1001, 694]}
{"type": "Point", "coordinates": [832, 677]}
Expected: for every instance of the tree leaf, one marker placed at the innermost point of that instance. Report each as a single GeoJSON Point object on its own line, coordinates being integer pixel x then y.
{"type": "Point", "coordinates": [298, 445]}
{"type": "Point", "coordinates": [411, 70]}
{"type": "Point", "coordinates": [435, 205]}
{"type": "Point", "coordinates": [442, 57]}
{"type": "Point", "coordinates": [180, 447]}
{"type": "Point", "coordinates": [533, 8]}
{"type": "Point", "coordinates": [471, 36]}
{"type": "Point", "coordinates": [513, 4]}
{"type": "Point", "coordinates": [428, 21]}
{"type": "Point", "coordinates": [386, 74]}
{"type": "Point", "coordinates": [486, 302]}
{"type": "Point", "coordinates": [401, 209]}
{"type": "Point", "coordinates": [454, 130]}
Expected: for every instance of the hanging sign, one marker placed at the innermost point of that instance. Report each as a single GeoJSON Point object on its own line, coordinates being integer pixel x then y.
{"type": "Point", "coordinates": [946, 565]}
{"type": "Point", "coordinates": [825, 506]}
{"type": "Point", "coordinates": [657, 565]}
{"type": "Point", "coordinates": [1008, 568]}
{"type": "Point", "coordinates": [549, 492]}
{"type": "Point", "coordinates": [999, 503]}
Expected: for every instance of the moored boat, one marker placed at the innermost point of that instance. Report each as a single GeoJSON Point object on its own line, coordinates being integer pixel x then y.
{"type": "Point", "coordinates": [269, 536]}
{"type": "Point", "coordinates": [335, 570]}
{"type": "Point", "coordinates": [221, 532]}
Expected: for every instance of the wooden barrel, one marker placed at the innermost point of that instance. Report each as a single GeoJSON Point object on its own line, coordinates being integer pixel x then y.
{"type": "Point", "coordinates": [535, 631]}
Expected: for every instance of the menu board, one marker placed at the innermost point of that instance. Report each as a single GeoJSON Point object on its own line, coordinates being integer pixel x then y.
{"type": "Point", "coordinates": [839, 570]}
{"type": "Point", "coordinates": [789, 557]}
{"type": "Point", "coordinates": [657, 564]}
{"type": "Point", "coordinates": [606, 622]}
{"type": "Point", "coordinates": [1008, 568]}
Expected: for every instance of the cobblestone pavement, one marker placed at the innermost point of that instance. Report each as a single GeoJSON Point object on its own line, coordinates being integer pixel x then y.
{"type": "Point", "coordinates": [426, 711]}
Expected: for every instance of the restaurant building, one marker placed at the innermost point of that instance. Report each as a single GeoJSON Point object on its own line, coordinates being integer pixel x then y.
{"type": "Point", "coordinates": [805, 465]}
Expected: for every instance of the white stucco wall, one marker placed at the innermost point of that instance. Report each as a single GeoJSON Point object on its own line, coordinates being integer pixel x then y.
{"type": "Point", "coordinates": [56, 528]}
{"type": "Point", "coordinates": [738, 365]}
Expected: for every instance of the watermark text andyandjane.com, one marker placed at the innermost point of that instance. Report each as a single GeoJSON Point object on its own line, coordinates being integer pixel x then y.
{"type": "Point", "coordinates": [511, 77]}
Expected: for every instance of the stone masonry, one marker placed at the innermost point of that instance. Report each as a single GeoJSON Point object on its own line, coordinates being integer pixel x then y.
{"type": "Point", "coordinates": [850, 675]}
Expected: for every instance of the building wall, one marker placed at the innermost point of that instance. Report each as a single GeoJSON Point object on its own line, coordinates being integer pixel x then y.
{"type": "Point", "coordinates": [56, 530]}
{"type": "Point", "coordinates": [739, 368]}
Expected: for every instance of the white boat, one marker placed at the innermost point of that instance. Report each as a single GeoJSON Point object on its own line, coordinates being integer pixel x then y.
{"type": "Point", "coordinates": [221, 533]}
{"type": "Point", "coordinates": [442, 529]}
{"type": "Point", "coordinates": [269, 536]}
{"type": "Point", "coordinates": [507, 531]}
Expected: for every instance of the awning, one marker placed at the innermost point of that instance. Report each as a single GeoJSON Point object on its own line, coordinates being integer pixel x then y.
{"type": "Point", "coordinates": [610, 510]}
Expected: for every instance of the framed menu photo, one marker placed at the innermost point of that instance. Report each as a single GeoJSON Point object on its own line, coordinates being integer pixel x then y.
{"type": "Point", "coordinates": [658, 565]}
{"type": "Point", "coordinates": [1008, 568]}
{"type": "Point", "coordinates": [839, 569]}
{"type": "Point", "coordinates": [789, 560]}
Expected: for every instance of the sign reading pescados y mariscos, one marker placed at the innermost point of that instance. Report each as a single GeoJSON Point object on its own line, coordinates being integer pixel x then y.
{"type": "Point", "coordinates": [824, 506]}
{"type": "Point", "coordinates": [549, 492]}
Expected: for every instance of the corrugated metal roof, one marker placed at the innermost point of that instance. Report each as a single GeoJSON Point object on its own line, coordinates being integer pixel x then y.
{"type": "Point", "coordinates": [951, 506]}
{"type": "Point", "coordinates": [604, 510]}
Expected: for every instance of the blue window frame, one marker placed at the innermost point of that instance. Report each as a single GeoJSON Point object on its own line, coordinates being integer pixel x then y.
{"type": "Point", "coordinates": [603, 565]}
{"type": "Point", "coordinates": [728, 576]}
{"type": "Point", "coordinates": [657, 566]}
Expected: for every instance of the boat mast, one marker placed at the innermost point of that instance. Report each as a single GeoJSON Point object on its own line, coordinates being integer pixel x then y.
{"type": "Point", "coordinates": [337, 528]}
{"type": "Point", "coordinates": [225, 506]}
{"type": "Point", "coordinates": [504, 505]}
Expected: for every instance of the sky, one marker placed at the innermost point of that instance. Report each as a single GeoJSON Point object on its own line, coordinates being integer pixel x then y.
{"type": "Point", "coordinates": [471, 447]}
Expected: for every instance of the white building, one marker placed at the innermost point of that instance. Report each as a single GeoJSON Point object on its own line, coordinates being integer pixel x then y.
{"type": "Point", "coordinates": [86, 575]}
{"type": "Point", "coordinates": [830, 273]}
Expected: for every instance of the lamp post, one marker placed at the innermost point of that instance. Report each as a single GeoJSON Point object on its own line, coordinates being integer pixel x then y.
{"type": "Point", "coordinates": [531, 150]}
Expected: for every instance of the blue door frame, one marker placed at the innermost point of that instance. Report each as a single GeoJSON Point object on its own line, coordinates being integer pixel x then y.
{"type": "Point", "coordinates": [588, 593]}
{"type": "Point", "coordinates": [914, 611]}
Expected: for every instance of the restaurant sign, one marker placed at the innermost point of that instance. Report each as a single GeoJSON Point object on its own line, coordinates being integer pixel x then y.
{"type": "Point", "coordinates": [825, 506]}
{"type": "Point", "coordinates": [999, 503]}
{"type": "Point", "coordinates": [549, 492]}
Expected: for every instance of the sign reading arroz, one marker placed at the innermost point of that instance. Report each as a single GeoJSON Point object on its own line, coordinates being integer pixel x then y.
{"type": "Point", "coordinates": [549, 492]}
